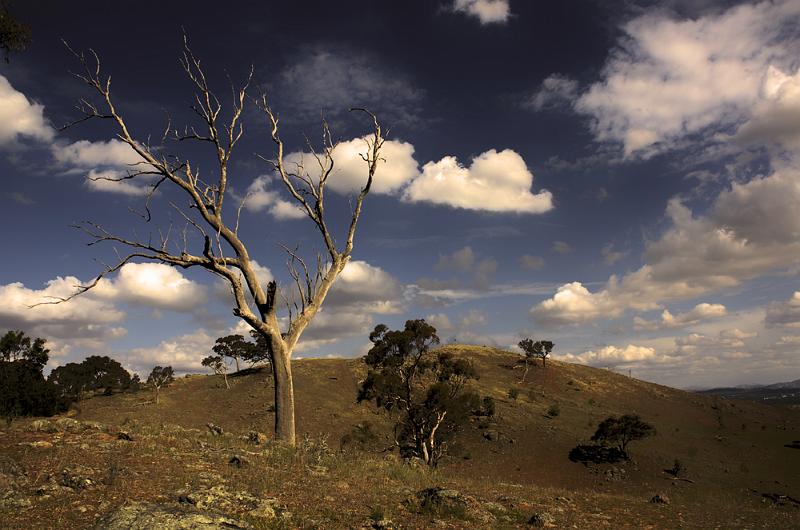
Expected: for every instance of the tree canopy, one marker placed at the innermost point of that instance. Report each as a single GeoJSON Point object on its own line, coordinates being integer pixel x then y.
{"type": "Point", "coordinates": [93, 373]}
{"type": "Point", "coordinates": [424, 390]}
{"type": "Point", "coordinates": [15, 346]}
{"type": "Point", "coordinates": [621, 431]}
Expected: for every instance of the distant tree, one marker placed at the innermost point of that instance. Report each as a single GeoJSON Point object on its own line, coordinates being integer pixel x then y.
{"type": "Point", "coordinates": [25, 392]}
{"type": "Point", "coordinates": [233, 346]}
{"type": "Point", "coordinates": [15, 346]}
{"type": "Point", "coordinates": [424, 390]}
{"type": "Point", "coordinates": [93, 373]}
{"type": "Point", "coordinates": [160, 377]}
{"type": "Point", "coordinates": [622, 431]}
{"type": "Point", "coordinates": [261, 352]}
{"type": "Point", "coordinates": [217, 364]}
{"type": "Point", "coordinates": [23, 389]}
{"type": "Point", "coordinates": [14, 35]}
{"type": "Point", "coordinates": [532, 350]}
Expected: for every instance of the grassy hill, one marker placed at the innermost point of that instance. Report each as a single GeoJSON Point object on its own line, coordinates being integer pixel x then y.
{"type": "Point", "coordinates": [740, 470]}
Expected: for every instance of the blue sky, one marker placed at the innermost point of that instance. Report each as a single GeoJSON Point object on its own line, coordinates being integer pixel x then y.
{"type": "Point", "coordinates": [619, 177]}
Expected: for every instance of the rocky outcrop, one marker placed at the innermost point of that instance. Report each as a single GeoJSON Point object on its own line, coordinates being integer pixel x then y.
{"type": "Point", "coordinates": [142, 516]}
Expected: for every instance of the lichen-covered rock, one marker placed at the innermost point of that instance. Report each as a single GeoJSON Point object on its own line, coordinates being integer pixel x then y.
{"type": "Point", "coordinates": [541, 520]}
{"type": "Point", "coordinates": [221, 499]}
{"type": "Point", "coordinates": [141, 516]}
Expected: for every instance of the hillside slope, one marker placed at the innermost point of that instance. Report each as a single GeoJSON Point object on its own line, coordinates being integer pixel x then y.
{"type": "Point", "coordinates": [734, 453]}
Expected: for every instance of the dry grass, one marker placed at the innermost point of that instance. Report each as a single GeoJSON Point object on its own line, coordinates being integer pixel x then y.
{"type": "Point", "coordinates": [525, 471]}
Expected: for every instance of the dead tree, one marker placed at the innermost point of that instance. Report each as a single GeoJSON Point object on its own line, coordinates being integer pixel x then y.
{"type": "Point", "coordinates": [224, 253]}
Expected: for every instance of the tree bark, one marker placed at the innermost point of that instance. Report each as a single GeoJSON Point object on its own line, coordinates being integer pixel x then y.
{"type": "Point", "coordinates": [284, 394]}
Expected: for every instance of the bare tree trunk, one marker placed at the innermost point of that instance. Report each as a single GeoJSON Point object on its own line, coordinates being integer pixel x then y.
{"type": "Point", "coordinates": [284, 395]}
{"type": "Point", "coordinates": [236, 358]}
{"type": "Point", "coordinates": [158, 391]}
{"type": "Point", "coordinates": [225, 376]}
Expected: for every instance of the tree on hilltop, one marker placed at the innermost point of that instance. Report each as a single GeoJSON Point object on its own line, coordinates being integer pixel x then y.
{"type": "Point", "coordinates": [424, 390]}
{"type": "Point", "coordinates": [160, 377]}
{"type": "Point", "coordinates": [217, 364]}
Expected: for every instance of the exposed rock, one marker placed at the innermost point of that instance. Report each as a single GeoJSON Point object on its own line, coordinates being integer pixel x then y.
{"type": "Point", "coordinates": [659, 498]}
{"type": "Point", "coordinates": [257, 438]}
{"type": "Point", "coordinates": [124, 435]}
{"type": "Point", "coordinates": [491, 435]}
{"type": "Point", "coordinates": [541, 520]}
{"type": "Point", "coordinates": [215, 430]}
{"type": "Point", "coordinates": [41, 444]}
{"type": "Point", "coordinates": [220, 499]}
{"type": "Point", "coordinates": [238, 461]}
{"type": "Point", "coordinates": [76, 478]}
{"type": "Point", "coordinates": [141, 516]}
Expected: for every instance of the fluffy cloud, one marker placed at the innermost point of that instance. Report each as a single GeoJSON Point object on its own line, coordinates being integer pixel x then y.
{"type": "Point", "coordinates": [494, 182]}
{"type": "Point", "coordinates": [613, 356]}
{"type": "Point", "coordinates": [723, 344]}
{"type": "Point", "coordinates": [153, 285]}
{"type": "Point", "coordinates": [19, 118]}
{"type": "Point", "coordinates": [86, 154]}
{"type": "Point", "coordinates": [110, 180]}
{"type": "Point", "coordinates": [573, 304]}
{"type": "Point", "coordinates": [775, 118]}
{"type": "Point", "coordinates": [259, 197]}
{"type": "Point", "coordinates": [555, 91]}
{"type": "Point", "coordinates": [750, 229]}
{"type": "Point", "coordinates": [184, 353]}
{"type": "Point", "coordinates": [784, 313]}
{"type": "Point", "coordinates": [365, 288]}
{"type": "Point", "coordinates": [698, 313]}
{"type": "Point", "coordinates": [84, 322]}
{"type": "Point", "coordinates": [486, 11]}
{"type": "Point", "coordinates": [349, 175]}
{"type": "Point", "coordinates": [672, 78]}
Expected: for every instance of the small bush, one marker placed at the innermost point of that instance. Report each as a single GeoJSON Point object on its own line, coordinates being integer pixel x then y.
{"type": "Point", "coordinates": [513, 393]}
{"type": "Point", "coordinates": [553, 411]}
{"type": "Point", "coordinates": [678, 469]}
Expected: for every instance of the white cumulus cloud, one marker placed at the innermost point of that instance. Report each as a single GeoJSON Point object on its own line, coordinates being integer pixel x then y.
{"type": "Point", "coordinates": [486, 11]}
{"type": "Point", "coordinates": [20, 118]}
{"type": "Point", "coordinates": [670, 78]}
{"type": "Point", "coordinates": [494, 182]}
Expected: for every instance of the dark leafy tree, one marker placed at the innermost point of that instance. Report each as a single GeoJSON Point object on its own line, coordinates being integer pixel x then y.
{"type": "Point", "coordinates": [531, 350]}
{"type": "Point", "coordinates": [23, 389]}
{"type": "Point", "coordinates": [25, 392]}
{"type": "Point", "coordinates": [93, 373]}
{"type": "Point", "coordinates": [424, 390]}
{"type": "Point", "coordinates": [16, 346]}
{"type": "Point", "coordinates": [261, 352]}
{"type": "Point", "coordinates": [217, 364]}
{"type": "Point", "coordinates": [233, 346]}
{"type": "Point", "coordinates": [14, 35]}
{"type": "Point", "coordinates": [621, 431]}
{"type": "Point", "coordinates": [161, 376]}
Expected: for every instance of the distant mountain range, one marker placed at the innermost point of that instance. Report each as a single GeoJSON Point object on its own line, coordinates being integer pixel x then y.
{"type": "Point", "coordinates": [787, 393]}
